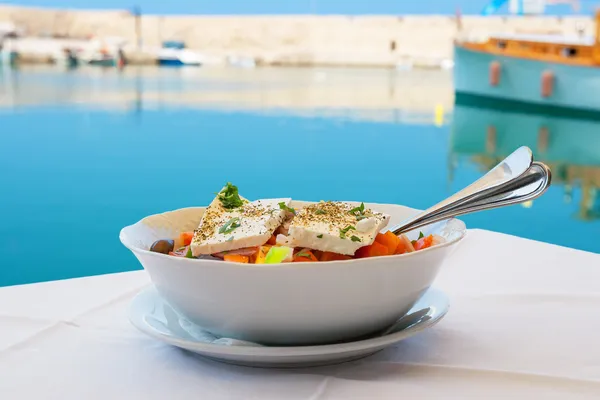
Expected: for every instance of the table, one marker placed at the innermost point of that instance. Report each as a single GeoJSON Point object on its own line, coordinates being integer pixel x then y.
{"type": "Point", "coordinates": [524, 321]}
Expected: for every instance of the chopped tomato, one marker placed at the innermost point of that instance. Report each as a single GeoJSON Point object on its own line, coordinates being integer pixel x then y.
{"type": "Point", "coordinates": [329, 256]}
{"type": "Point", "coordinates": [424, 242]}
{"type": "Point", "coordinates": [272, 240]}
{"type": "Point", "coordinates": [186, 238]}
{"type": "Point", "coordinates": [373, 250]}
{"type": "Point", "coordinates": [237, 258]}
{"type": "Point", "coordinates": [389, 240]}
{"type": "Point", "coordinates": [305, 255]}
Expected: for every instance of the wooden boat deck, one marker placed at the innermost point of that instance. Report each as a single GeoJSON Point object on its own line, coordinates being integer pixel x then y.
{"type": "Point", "coordinates": [570, 50]}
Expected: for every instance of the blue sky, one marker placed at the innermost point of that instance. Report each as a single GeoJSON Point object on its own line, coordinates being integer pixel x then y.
{"type": "Point", "coordinates": [351, 7]}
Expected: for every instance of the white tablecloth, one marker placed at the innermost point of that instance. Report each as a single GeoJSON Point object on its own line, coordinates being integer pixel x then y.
{"type": "Point", "coordinates": [524, 321]}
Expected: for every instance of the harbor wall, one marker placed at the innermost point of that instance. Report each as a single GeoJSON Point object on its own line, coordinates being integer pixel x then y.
{"type": "Point", "coordinates": [417, 40]}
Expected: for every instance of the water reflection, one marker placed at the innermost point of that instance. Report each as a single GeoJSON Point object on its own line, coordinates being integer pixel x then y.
{"type": "Point", "coordinates": [571, 147]}
{"type": "Point", "coordinates": [416, 97]}
{"type": "Point", "coordinates": [86, 152]}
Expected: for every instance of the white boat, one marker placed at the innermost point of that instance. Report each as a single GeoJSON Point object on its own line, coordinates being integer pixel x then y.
{"type": "Point", "coordinates": [175, 54]}
{"type": "Point", "coordinates": [241, 61]}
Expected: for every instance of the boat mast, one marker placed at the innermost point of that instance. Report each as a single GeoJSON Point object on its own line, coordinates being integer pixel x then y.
{"type": "Point", "coordinates": [137, 14]}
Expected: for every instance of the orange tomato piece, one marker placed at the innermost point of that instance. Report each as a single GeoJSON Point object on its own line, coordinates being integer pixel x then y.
{"type": "Point", "coordinates": [329, 256]}
{"type": "Point", "coordinates": [389, 240]}
{"type": "Point", "coordinates": [252, 259]}
{"type": "Point", "coordinates": [305, 255]}
{"type": "Point", "coordinates": [237, 258]}
{"type": "Point", "coordinates": [374, 250]}
{"type": "Point", "coordinates": [424, 242]}
{"type": "Point", "coordinates": [186, 238]}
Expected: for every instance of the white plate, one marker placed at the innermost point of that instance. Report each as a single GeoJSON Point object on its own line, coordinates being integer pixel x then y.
{"type": "Point", "coordinates": [155, 317]}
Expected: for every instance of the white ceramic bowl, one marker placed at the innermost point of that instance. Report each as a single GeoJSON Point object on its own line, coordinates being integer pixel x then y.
{"type": "Point", "coordinates": [293, 303]}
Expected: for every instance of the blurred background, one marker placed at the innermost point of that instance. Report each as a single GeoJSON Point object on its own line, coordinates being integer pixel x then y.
{"type": "Point", "coordinates": [110, 112]}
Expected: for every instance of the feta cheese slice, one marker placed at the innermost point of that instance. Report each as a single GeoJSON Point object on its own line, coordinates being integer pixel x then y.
{"type": "Point", "coordinates": [332, 226]}
{"type": "Point", "coordinates": [250, 225]}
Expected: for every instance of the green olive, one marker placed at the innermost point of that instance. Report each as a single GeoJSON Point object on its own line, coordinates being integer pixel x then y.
{"type": "Point", "coordinates": [162, 246]}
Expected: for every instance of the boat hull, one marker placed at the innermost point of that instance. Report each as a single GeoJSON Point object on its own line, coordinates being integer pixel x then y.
{"type": "Point", "coordinates": [103, 62]}
{"type": "Point", "coordinates": [72, 62]}
{"type": "Point", "coordinates": [69, 62]}
{"type": "Point", "coordinates": [520, 80]}
{"type": "Point", "coordinates": [174, 62]}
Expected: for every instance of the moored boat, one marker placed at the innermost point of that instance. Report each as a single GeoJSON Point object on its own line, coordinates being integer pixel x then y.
{"type": "Point", "coordinates": [103, 58]}
{"type": "Point", "coordinates": [67, 57]}
{"type": "Point", "coordinates": [548, 70]}
{"type": "Point", "coordinates": [174, 54]}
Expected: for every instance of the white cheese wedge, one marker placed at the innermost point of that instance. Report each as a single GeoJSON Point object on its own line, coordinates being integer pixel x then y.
{"type": "Point", "coordinates": [250, 225]}
{"type": "Point", "coordinates": [366, 224]}
{"type": "Point", "coordinates": [332, 226]}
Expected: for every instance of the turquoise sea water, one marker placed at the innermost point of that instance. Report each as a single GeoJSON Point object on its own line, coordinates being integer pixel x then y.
{"type": "Point", "coordinates": [85, 153]}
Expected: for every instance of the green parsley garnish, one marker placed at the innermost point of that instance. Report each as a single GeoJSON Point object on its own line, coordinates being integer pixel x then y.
{"type": "Point", "coordinates": [358, 210]}
{"type": "Point", "coordinates": [230, 225]}
{"type": "Point", "coordinates": [421, 236]}
{"type": "Point", "coordinates": [318, 211]}
{"type": "Point", "coordinates": [355, 238]}
{"type": "Point", "coordinates": [345, 230]}
{"type": "Point", "coordinates": [229, 197]}
{"type": "Point", "coordinates": [320, 236]}
{"type": "Point", "coordinates": [303, 254]}
{"type": "Point", "coordinates": [286, 208]}
{"type": "Point", "coordinates": [189, 252]}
